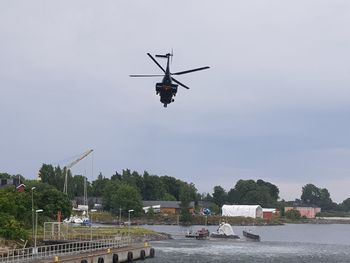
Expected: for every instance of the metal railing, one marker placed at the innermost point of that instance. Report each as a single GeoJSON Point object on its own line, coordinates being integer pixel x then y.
{"type": "Point", "coordinates": [54, 231]}
{"type": "Point", "coordinates": [44, 252]}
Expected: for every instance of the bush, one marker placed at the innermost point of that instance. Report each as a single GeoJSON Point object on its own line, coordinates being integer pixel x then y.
{"type": "Point", "coordinates": [292, 214]}
{"type": "Point", "coordinates": [11, 228]}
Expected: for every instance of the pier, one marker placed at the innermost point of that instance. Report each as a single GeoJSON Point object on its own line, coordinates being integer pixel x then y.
{"type": "Point", "coordinates": [113, 250]}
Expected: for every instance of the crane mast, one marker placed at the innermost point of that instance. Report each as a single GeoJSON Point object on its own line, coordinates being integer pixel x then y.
{"type": "Point", "coordinates": [85, 154]}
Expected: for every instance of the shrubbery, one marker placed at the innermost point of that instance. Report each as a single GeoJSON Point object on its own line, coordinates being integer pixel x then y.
{"type": "Point", "coordinates": [292, 214]}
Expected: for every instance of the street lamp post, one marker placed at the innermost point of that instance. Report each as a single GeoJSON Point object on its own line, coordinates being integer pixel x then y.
{"type": "Point", "coordinates": [33, 188]}
{"type": "Point", "coordinates": [120, 216]}
{"type": "Point", "coordinates": [129, 223]}
{"type": "Point", "coordinates": [36, 225]}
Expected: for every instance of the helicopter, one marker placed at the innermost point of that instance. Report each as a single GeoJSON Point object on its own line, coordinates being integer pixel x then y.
{"type": "Point", "coordinates": [167, 89]}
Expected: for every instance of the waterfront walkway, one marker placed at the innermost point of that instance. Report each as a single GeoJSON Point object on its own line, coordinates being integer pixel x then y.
{"type": "Point", "coordinates": [80, 249]}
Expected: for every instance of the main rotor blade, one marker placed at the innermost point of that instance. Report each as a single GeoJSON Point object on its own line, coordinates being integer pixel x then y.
{"type": "Point", "coordinates": [189, 71]}
{"type": "Point", "coordinates": [141, 76]}
{"type": "Point", "coordinates": [178, 82]}
{"type": "Point", "coordinates": [155, 61]}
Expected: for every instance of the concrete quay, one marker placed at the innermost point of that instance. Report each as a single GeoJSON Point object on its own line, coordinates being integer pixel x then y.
{"type": "Point", "coordinates": [117, 249]}
{"type": "Point", "coordinates": [125, 254]}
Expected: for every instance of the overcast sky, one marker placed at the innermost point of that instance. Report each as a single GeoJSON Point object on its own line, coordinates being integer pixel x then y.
{"type": "Point", "coordinates": [274, 105]}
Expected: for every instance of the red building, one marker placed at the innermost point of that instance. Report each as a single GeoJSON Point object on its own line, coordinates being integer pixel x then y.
{"type": "Point", "coordinates": [269, 213]}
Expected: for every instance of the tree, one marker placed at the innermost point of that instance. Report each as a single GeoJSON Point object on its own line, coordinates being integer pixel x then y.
{"type": "Point", "coordinates": [108, 190]}
{"type": "Point", "coordinates": [168, 197]}
{"type": "Point", "coordinates": [172, 186]}
{"type": "Point", "coordinates": [273, 189]}
{"type": "Point", "coordinates": [249, 192]}
{"type": "Point", "coordinates": [345, 205]}
{"type": "Point", "coordinates": [219, 196]}
{"type": "Point", "coordinates": [186, 196]}
{"type": "Point", "coordinates": [153, 188]}
{"type": "Point", "coordinates": [310, 194]}
{"type": "Point", "coordinates": [126, 197]}
{"type": "Point", "coordinates": [55, 176]}
{"type": "Point", "coordinates": [77, 186]}
{"type": "Point", "coordinates": [121, 195]}
{"type": "Point", "coordinates": [233, 196]}
{"type": "Point", "coordinates": [98, 186]}
{"type": "Point", "coordinates": [313, 195]}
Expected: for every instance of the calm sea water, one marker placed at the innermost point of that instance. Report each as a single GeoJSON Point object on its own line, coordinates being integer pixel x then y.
{"type": "Point", "coordinates": [288, 243]}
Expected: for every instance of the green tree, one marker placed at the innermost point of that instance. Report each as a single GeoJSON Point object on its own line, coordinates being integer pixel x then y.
{"type": "Point", "coordinates": [310, 194]}
{"type": "Point", "coordinates": [98, 186]}
{"type": "Point", "coordinates": [110, 189]}
{"type": "Point", "coordinates": [345, 205]}
{"type": "Point", "coordinates": [77, 186]}
{"type": "Point", "coordinates": [220, 196]}
{"type": "Point", "coordinates": [313, 195]}
{"type": "Point", "coordinates": [273, 189]}
{"type": "Point", "coordinates": [172, 185]}
{"type": "Point", "coordinates": [153, 188]}
{"type": "Point", "coordinates": [168, 197]}
{"type": "Point", "coordinates": [186, 196]}
{"type": "Point", "coordinates": [55, 176]}
{"type": "Point", "coordinates": [249, 192]}
{"type": "Point", "coordinates": [233, 196]}
{"type": "Point", "coordinates": [126, 197]}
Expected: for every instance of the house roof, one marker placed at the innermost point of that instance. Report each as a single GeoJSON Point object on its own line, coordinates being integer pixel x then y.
{"type": "Point", "coordinates": [165, 204]}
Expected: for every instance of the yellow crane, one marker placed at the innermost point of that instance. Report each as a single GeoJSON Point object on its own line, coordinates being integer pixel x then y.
{"type": "Point", "coordinates": [67, 167]}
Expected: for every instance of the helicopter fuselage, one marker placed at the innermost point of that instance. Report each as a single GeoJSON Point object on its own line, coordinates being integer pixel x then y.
{"type": "Point", "coordinates": [166, 89]}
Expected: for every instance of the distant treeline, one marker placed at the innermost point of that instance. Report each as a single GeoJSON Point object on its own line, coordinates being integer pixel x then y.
{"type": "Point", "coordinates": [136, 186]}
{"type": "Point", "coordinates": [127, 189]}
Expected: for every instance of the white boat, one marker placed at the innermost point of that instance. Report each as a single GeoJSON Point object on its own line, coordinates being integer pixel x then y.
{"type": "Point", "coordinates": [224, 231]}
{"type": "Point", "coordinates": [74, 220]}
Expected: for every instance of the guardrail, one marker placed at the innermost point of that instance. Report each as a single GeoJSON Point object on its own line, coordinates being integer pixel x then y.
{"type": "Point", "coordinates": [43, 252]}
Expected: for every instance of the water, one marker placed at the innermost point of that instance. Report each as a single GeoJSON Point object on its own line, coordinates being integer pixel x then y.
{"type": "Point", "coordinates": [289, 243]}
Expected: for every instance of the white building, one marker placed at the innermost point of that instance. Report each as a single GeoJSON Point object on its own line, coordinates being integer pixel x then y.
{"type": "Point", "coordinates": [254, 211]}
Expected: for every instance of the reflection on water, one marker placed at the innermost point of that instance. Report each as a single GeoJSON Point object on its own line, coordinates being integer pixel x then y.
{"type": "Point", "coordinates": [290, 243]}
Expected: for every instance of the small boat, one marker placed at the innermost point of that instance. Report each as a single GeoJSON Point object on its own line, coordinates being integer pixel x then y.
{"type": "Point", "coordinates": [224, 231]}
{"type": "Point", "coordinates": [199, 234]}
{"type": "Point", "coordinates": [251, 236]}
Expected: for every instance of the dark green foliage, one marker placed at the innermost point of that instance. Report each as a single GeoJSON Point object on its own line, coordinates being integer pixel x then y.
{"type": "Point", "coordinates": [168, 197]}
{"type": "Point", "coordinates": [52, 176]}
{"type": "Point", "coordinates": [249, 192]}
{"type": "Point", "coordinates": [98, 186]}
{"type": "Point", "coordinates": [313, 195]}
{"type": "Point", "coordinates": [292, 214]}
{"type": "Point", "coordinates": [121, 195]}
{"type": "Point", "coordinates": [345, 205]}
{"type": "Point", "coordinates": [153, 188]}
{"type": "Point", "coordinates": [220, 196]}
{"type": "Point", "coordinates": [11, 228]}
{"type": "Point", "coordinates": [172, 185]}
{"type": "Point", "coordinates": [186, 196]}
{"type": "Point", "coordinates": [273, 189]}
{"type": "Point", "coordinates": [16, 207]}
